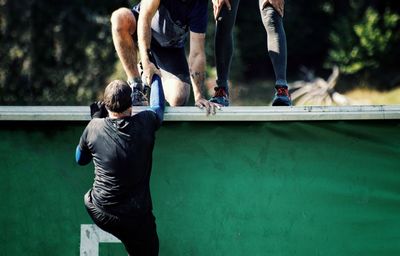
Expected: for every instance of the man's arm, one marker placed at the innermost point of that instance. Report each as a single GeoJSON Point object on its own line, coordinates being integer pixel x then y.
{"type": "Point", "coordinates": [197, 63]}
{"type": "Point", "coordinates": [197, 67]}
{"type": "Point", "coordinates": [83, 156]}
{"type": "Point", "coordinates": [157, 99]}
{"type": "Point", "coordinates": [148, 9]}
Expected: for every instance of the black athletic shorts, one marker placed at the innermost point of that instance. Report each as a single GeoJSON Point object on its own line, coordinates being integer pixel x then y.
{"type": "Point", "coordinates": [138, 234]}
{"type": "Point", "coordinates": [172, 60]}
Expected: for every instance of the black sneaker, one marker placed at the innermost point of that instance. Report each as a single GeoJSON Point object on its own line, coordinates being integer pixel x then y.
{"type": "Point", "coordinates": [282, 96]}
{"type": "Point", "coordinates": [139, 93]}
{"type": "Point", "coordinates": [220, 97]}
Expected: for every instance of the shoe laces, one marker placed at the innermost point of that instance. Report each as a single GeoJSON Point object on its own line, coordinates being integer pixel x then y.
{"type": "Point", "coordinates": [220, 92]}
{"type": "Point", "coordinates": [282, 91]}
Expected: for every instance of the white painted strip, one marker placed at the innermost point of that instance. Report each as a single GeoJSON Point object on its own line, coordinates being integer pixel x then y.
{"type": "Point", "coordinates": [297, 113]}
{"type": "Point", "coordinates": [91, 237]}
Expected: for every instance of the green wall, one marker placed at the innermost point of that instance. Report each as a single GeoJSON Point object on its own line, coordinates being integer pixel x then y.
{"type": "Point", "coordinates": [219, 188]}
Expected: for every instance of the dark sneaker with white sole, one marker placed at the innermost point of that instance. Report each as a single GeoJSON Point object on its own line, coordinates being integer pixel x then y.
{"type": "Point", "coordinates": [282, 96]}
{"type": "Point", "coordinates": [139, 93]}
{"type": "Point", "coordinates": [220, 96]}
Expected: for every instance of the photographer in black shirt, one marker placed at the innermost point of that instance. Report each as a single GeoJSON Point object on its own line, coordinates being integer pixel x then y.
{"type": "Point", "coordinates": [121, 146]}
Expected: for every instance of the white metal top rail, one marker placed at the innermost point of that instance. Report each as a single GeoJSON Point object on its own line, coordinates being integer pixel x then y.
{"type": "Point", "coordinates": [245, 113]}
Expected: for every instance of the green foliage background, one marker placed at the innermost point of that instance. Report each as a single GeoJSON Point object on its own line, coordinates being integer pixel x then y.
{"type": "Point", "coordinates": [61, 52]}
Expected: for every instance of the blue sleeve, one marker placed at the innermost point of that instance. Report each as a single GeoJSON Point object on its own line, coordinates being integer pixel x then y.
{"type": "Point", "coordinates": [198, 17]}
{"type": "Point", "coordinates": [83, 156]}
{"type": "Point", "coordinates": [157, 99]}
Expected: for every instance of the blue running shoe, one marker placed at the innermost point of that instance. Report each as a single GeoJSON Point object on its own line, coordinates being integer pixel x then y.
{"type": "Point", "coordinates": [282, 96]}
{"type": "Point", "coordinates": [220, 97]}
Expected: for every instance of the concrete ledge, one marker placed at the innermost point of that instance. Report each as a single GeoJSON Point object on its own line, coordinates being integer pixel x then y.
{"type": "Point", "coordinates": [263, 113]}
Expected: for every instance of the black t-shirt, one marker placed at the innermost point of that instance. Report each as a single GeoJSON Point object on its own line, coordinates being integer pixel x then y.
{"type": "Point", "coordinates": [122, 155]}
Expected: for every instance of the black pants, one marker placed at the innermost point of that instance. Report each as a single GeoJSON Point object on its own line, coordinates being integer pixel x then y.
{"type": "Point", "coordinates": [138, 234]}
{"type": "Point", "coordinates": [276, 41]}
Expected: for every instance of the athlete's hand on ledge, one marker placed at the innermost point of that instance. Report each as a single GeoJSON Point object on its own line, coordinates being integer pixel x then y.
{"type": "Point", "coordinates": [217, 6]}
{"type": "Point", "coordinates": [211, 108]}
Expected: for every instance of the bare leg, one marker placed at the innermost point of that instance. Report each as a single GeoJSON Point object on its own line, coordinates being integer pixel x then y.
{"type": "Point", "coordinates": [123, 27]}
{"type": "Point", "coordinates": [176, 91]}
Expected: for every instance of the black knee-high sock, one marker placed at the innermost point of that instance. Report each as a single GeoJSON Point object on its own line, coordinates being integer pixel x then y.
{"type": "Point", "coordinates": [224, 42]}
{"type": "Point", "coordinates": [276, 42]}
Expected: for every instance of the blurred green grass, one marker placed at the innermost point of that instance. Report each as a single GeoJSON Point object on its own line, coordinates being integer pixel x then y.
{"type": "Point", "coordinates": [368, 96]}
{"type": "Point", "coordinates": [261, 92]}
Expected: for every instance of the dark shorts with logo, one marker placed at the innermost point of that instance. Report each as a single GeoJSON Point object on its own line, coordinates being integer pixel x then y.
{"type": "Point", "coordinates": [172, 60]}
{"type": "Point", "coordinates": [138, 233]}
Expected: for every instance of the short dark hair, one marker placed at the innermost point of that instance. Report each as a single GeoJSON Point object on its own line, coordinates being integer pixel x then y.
{"type": "Point", "coordinates": [117, 96]}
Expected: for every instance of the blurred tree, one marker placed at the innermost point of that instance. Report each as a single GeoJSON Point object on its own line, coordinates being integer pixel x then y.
{"type": "Point", "coordinates": [307, 27]}
{"type": "Point", "coordinates": [364, 42]}
{"type": "Point", "coordinates": [61, 52]}
{"type": "Point", "coordinates": [54, 52]}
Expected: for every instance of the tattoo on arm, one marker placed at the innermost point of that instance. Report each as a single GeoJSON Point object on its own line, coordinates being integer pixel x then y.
{"type": "Point", "coordinates": [198, 77]}
{"type": "Point", "coordinates": [198, 81]}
